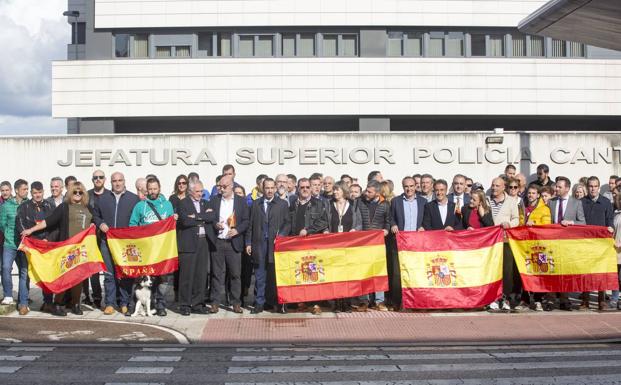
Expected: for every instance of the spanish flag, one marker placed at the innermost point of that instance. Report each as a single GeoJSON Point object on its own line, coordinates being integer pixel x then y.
{"type": "Point", "coordinates": [554, 258]}
{"type": "Point", "coordinates": [330, 266]}
{"type": "Point", "coordinates": [144, 250]}
{"type": "Point", "coordinates": [59, 266]}
{"type": "Point", "coordinates": [445, 270]}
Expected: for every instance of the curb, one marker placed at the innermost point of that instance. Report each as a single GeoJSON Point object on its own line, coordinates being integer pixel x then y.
{"type": "Point", "coordinates": [7, 309]}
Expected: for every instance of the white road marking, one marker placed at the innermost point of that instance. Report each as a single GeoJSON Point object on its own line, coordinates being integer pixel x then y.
{"type": "Point", "coordinates": [144, 370]}
{"type": "Point", "coordinates": [560, 380]}
{"type": "Point", "coordinates": [431, 356]}
{"type": "Point", "coordinates": [18, 358]}
{"type": "Point", "coordinates": [9, 369]}
{"type": "Point", "coordinates": [421, 368]}
{"type": "Point", "coordinates": [134, 383]}
{"type": "Point", "coordinates": [31, 349]}
{"type": "Point", "coordinates": [155, 359]}
{"type": "Point", "coordinates": [163, 349]}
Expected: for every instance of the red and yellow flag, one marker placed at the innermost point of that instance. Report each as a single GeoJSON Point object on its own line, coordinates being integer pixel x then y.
{"type": "Point", "coordinates": [444, 270]}
{"type": "Point", "coordinates": [330, 266]}
{"type": "Point", "coordinates": [59, 266]}
{"type": "Point", "coordinates": [554, 258]}
{"type": "Point", "coordinates": [144, 250]}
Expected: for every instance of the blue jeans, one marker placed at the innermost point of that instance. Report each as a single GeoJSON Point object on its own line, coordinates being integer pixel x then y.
{"type": "Point", "coordinates": [110, 280]}
{"type": "Point", "coordinates": [10, 255]}
{"type": "Point", "coordinates": [260, 278]}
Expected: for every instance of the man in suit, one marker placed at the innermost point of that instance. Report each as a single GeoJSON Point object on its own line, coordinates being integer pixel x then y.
{"type": "Point", "coordinates": [439, 214]}
{"type": "Point", "coordinates": [227, 242]}
{"type": "Point", "coordinates": [194, 218]}
{"type": "Point", "coordinates": [566, 211]}
{"type": "Point", "coordinates": [269, 218]}
{"type": "Point", "coordinates": [598, 211]}
{"type": "Point", "coordinates": [406, 215]}
{"type": "Point", "coordinates": [459, 195]}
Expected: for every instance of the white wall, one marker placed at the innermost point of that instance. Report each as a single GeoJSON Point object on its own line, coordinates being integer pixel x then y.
{"type": "Point", "coordinates": [335, 86]}
{"type": "Point", "coordinates": [442, 154]}
{"type": "Point", "coordinates": [225, 13]}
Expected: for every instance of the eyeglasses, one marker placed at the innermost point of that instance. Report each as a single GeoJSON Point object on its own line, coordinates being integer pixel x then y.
{"type": "Point", "coordinates": [469, 185]}
{"type": "Point", "coordinates": [513, 187]}
{"type": "Point", "coordinates": [98, 177]}
{"type": "Point", "coordinates": [182, 183]}
{"type": "Point", "coordinates": [78, 192]}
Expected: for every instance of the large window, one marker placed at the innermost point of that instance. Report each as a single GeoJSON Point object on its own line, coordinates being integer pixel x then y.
{"type": "Point", "coordinates": [140, 47]}
{"type": "Point", "coordinates": [405, 44]}
{"type": "Point", "coordinates": [205, 44]}
{"type": "Point", "coordinates": [256, 45]}
{"type": "Point", "coordinates": [455, 44]}
{"type": "Point", "coordinates": [576, 49]}
{"type": "Point", "coordinates": [536, 46]}
{"type": "Point", "coordinates": [339, 45]}
{"type": "Point", "coordinates": [224, 44]}
{"type": "Point", "coordinates": [477, 45]}
{"type": "Point", "coordinates": [518, 45]}
{"type": "Point", "coordinates": [78, 33]}
{"type": "Point", "coordinates": [496, 45]}
{"type": "Point", "coordinates": [121, 45]}
{"type": "Point", "coordinates": [298, 44]}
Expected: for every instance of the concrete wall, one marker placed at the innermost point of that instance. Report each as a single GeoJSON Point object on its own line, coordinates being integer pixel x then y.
{"type": "Point", "coordinates": [335, 87]}
{"type": "Point", "coordinates": [224, 13]}
{"type": "Point", "coordinates": [394, 154]}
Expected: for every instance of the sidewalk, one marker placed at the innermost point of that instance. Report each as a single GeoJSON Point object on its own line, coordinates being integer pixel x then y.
{"type": "Point", "coordinates": [227, 327]}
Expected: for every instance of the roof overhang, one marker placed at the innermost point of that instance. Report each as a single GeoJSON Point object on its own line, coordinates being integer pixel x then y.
{"type": "Point", "coordinates": [593, 22]}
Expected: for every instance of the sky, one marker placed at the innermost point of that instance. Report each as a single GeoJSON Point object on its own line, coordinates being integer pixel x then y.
{"type": "Point", "coordinates": [32, 34]}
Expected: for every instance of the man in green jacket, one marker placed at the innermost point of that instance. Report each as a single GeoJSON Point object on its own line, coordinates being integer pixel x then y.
{"type": "Point", "coordinates": [153, 209]}
{"type": "Point", "coordinates": [10, 254]}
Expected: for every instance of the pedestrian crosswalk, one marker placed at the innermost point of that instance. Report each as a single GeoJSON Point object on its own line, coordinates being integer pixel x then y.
{"type": "Point", "coordinates": [341, 365]}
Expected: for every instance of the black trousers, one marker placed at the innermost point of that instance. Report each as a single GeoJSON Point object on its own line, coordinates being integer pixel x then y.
{"type": "Point", "coordinates": [511, 280]}
{"type": "Point", "coordinates": [95, 285]}
{"type": "Point", "coordinates": [193, 273]}
{"type": "Point", "coordinates": [394, 272]}
{"type": "Point", "coordinates": [225, 260]}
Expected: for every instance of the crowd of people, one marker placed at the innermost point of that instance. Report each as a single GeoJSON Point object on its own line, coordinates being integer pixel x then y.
{"type": "Point", "coordinates": [226, 235]}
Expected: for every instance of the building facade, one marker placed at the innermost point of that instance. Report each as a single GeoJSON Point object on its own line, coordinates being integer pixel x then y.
{"type": "Point", "coordinates": [150, 66]}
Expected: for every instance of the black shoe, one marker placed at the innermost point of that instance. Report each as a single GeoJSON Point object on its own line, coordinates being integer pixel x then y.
{"type": "Point", "coordinates": [257, 309]}
{"type": "Point", "coordinates": [283, 308]}
{"type": "Point", "coordinates": [76, 310]}
{"type": "Point", "coordinates": [185, 310]}
{"type": "Point", "coordinates": [565, 307]}
{"type": "Point", "coordinates": [58, 311]}
{"type": "Point", "coordinates": [199, 310]}
{"type": "Point", "coordinates": [161, 313]}
{"type": "Point", "coordinates": [97, 304]}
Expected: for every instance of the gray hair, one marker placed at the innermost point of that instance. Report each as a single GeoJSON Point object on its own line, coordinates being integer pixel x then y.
{"type": "Point", "coordinates": [195, 183]}
{"type": "Point", "coordinates": [375, 185]}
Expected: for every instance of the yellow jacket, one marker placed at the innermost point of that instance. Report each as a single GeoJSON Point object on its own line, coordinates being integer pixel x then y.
{"type": "Point", "coordinates": [541, 215]}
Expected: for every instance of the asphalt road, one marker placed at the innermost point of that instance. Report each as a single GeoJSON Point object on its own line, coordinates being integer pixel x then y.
{"type": "Point", "coordinates": [345, 365]}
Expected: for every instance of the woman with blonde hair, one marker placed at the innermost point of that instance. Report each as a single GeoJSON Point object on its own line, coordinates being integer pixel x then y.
{"type": "Point", "coordinates": [579, 191]}
{"type": "Point", "coordinates": [477, 213]}
{"type": "Point", "coordinates": [387, 190]}
{"type": "Point", "coordinates": [70, 217]}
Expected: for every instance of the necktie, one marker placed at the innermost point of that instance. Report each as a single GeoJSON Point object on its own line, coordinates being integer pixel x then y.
{"type": "Point", "coordinates": [560, 210]}
{"type": "Point", "coordinates": [458, 206]}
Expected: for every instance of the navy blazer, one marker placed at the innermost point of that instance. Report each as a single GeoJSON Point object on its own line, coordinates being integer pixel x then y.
{"type": "Point", "coordinates": [187, 227]}
{"type": "Point", "coordinates": [433, 221]}
{"type": "Point", "coordinates": [398, 212]}
{"type": "Point", "coordinates": [242, 214]}
{"type": "Point", "coordinates": [598, 213]}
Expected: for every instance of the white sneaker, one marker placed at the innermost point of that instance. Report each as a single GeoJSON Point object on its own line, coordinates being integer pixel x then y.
{"type": "Point", "coordinates": [7, 301]}
{"type": "Point", "coordinates": [538, 306]}
{"type": "Point", "coordinates": [505, 305]}
{"type": "Point", "coordinates": [493, 306]}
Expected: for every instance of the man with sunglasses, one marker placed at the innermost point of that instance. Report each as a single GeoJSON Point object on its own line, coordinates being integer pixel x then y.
{"type": "Point", "coordinates": [113, 209]}
{"type": "Point", "coordinates": [99, 180]}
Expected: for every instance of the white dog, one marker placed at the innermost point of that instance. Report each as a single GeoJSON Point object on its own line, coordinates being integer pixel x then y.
{"type": "Point", "coordinates": [142, 291]}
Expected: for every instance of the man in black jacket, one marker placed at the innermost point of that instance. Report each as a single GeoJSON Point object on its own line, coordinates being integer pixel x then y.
{"type": "Point", "coordinates": [440, 213]}
{"type": "Point", "coordinates": [194, 218]}
{"type": "Point", "coordinates": [308, 215]}
{"type": "Point", "coordinates": [226, 238]}
{"type": "Point", "coordinates": [113, 209]}
{"type": "Point", "coordinates": [598, 211]}
{"type": "Point", "coordinates": [375, 211]}
{"type": "Point", "coordinates": [29, 213]}
{"type": "Point", "coordinates": [99, 181]}
{"type": "Point", "coordinates": [269, 218]}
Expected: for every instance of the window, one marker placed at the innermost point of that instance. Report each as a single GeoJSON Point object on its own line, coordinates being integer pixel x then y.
{"type": "Point", "coordinates": [558, 48]}
{"type": "Point", "coordinates": [307, 45]}
{"type": "Point", "coordinates": [245, 47]}
{"type": "Point", "coordinates": [140, 48]}
{"type": "Point", "coordinates": [496, 45]}
{"type": "Point", "coordinates": [436, 44]}
{"type": "Point", "coordinates": [288, 44]}
{"type": "Point", "coordinates": [395, 42]}
{"type": "Point", "coordinates": [536, 46]}
{"type": "Point", "coordinates": [163, 51]}
{"type": "Point", "coordinates": [350, 45]}
{"type": "Point", "coordinates": [413, 44]}
{"type": "Point", "coordinates": [576, 49]}
{"type": "Point", "coordinates": [330, 45]}
{"type": "Point", "coordinates": [224, 44]}
{"type": "Point", "coordinates": [205, 44]}
{"type": "Point", "coordinates": [264, 46]}
{"type": "Point", "coordinates": [78, 33]}
{"type": "Point", "coordinates": [455, 44]}
{"type": "Point", "coordinates": [183, 51]}
{"type": "Point", "coordinates": [121, 45]}
{"type": "Point", "coordinates": [477, 45]}
{"type": "Point", "coordinates": [519, 45]}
